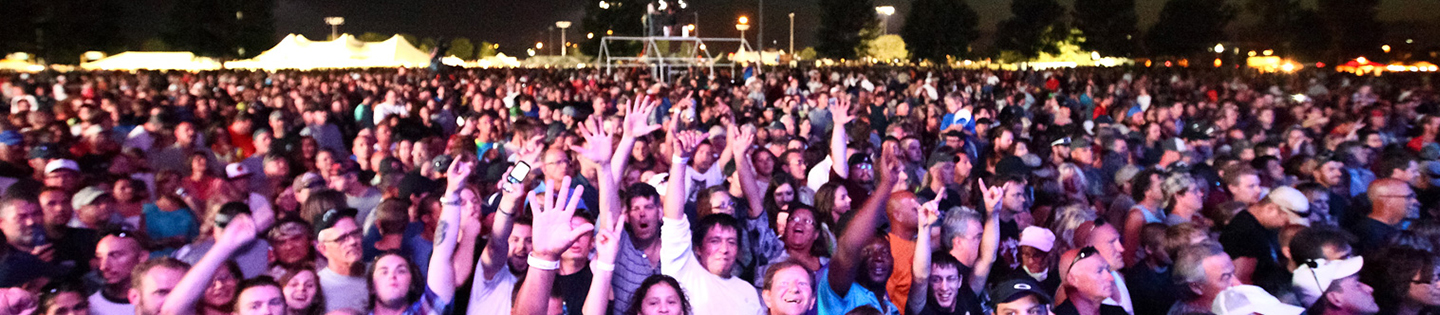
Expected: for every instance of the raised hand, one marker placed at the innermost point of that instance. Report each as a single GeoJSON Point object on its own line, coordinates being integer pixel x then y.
{"type": "Point", "coordinates": [889, 166]}
{"type": "Point", "coordinates": [239, 232]}
{"type": "Point", "coordinates": [607, 241]}
{"type": "Point", "coordinates": [597, 146]}
{"type": "Point", "coordinates": [739, 140]}
{"type": "Point", "coordinates": [841, 111]}
{"type": "Point", "coordinates": [686, 142]}
{"type": "Point", "coordinates": [532, 148]}
{"type": "Point", "coordinates": [457, 173]}
{"type": "Point", "coordinates": [994, 195]}
{"type": "Point", "coordinates": [554, 214]}
{"type": "Point", "coordinates": [637, 117]}
{"type": "Point", "coordinates": [929, 213]}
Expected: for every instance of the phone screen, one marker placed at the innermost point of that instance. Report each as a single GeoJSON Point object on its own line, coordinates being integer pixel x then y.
{"type": "Point", "coordinates": [518, 174]}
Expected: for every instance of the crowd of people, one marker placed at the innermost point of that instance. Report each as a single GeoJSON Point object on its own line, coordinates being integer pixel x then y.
{"type": "Point", "coordinates": [786, 191]}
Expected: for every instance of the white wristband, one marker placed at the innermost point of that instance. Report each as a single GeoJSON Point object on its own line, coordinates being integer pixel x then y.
{"type": "Point", "coordinates": [601, 266]}
{"type": "Point", "coordinates": [679, 160]}
{"type": "Point", "coordinates": [542, 264]}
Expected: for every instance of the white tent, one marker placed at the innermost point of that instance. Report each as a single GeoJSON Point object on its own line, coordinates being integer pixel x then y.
{"type": "Point", "coordinates": [298, 52]}
{"type": "Point", "coordinates": [153, 60]}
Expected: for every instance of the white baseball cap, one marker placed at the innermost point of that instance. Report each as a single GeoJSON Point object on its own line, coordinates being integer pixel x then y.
{"type": "Point", "coordinates": [1312, 279]}
{"type": "Point", "coordinates": [235, 170]}
{"type": "Point", "coordinates": [61, 164]}
{"type": "Point", "coordinates": [1037, 237]}
{"type": "Point", "coordinates": [1249, 299]}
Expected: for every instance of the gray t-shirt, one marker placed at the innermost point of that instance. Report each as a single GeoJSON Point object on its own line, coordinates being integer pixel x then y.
{"type": "Point", "coordinates": [342, 292]}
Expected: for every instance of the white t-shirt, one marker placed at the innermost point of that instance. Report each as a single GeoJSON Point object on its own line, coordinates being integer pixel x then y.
{"type": "Point", "coordinates": [99, 305]}
{"type": "Point", "coordinates": [709, 294]}
{"type": "Point", "coordinates": [342, 292]}
{"type": "Point", "coordinates": [820, 174]}
{"type": "Point", "coordinates": [387, 109]}
{"type": "Point", "coordinates": [492, 296]}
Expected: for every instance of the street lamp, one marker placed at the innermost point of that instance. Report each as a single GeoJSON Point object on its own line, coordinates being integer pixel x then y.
{"type": "Point", "coordinates": [334, 22]}
{"type": "Point", "coordinates": [792, 32]}
{"type": "Point", "coordinates": [562, 25]}
{"type": "Point", "coordinates": [886, 11]}
{"type": "Point", "coordinates": [743, 25]}
{"type": "Point", "coordinates": [1219, 48]}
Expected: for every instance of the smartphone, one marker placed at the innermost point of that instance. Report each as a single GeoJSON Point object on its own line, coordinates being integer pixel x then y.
{"type": "Point", "coordinates": [518, 173]}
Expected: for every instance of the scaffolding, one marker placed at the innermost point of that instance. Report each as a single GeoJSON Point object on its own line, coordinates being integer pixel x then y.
{"type": "Point", "coordinates": [660, 60]}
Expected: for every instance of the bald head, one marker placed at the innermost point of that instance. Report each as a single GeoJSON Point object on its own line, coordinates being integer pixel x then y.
{"type": "Point", "coordinates": [900, 209]}
{"type": "Point", "coordinates": [1393, 200]}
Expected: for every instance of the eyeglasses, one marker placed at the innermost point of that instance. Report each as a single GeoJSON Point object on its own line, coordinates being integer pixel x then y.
{"type": "Point", "coordinates": [805, 221]}
{"type": "Point", "coordinates": [1434, 279]}
{"type": "Point", "coordinates": [865, 166]}
{"type": "Point", "coordinates": [1084, 253]}
{"type": "Point", "coordinates": [352, 236]}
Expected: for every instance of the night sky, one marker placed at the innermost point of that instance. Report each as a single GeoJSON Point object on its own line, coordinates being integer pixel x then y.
{"type": "Point", "coordinates": [517, 25]}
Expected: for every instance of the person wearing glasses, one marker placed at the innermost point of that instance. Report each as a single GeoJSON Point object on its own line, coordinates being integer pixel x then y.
{"type": "Point", "coordinates": [1087, 283]}
{"type": "Point", "coordinates": [1406, 280]}
{"type": "Point", "coordinates": [1392, 202]}
{"type": "Point", "coordinates": [338, 239]}
{"type": "Point", "coordinates": [1252, 238]}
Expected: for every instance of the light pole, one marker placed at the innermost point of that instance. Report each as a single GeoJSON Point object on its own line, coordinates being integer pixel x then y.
{"type": "Point", "coordinates": [760, 32]}
{"type": "Point", "coordinates": [562, 25]}
{"type": "Point", "coordinates": [334, 22]}
{"type": "Point", "coordinates": [743, 25]}
{"type": "Point", "coordinates": [886, 12]}
{"type": "Point", "coordinates": [792, 32]}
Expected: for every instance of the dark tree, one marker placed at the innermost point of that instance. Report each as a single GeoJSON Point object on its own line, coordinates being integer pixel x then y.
{"type": "Point", "coordinates": [224, 29]}
{"type": "Point", "coordinates": [1037, 26]}
{"type": "Point", "coordinates": [1188, 27]}
{"type": "Point", "coordinates": [1309, 38]}
{"type": "Point", "coordinates": [1108, 25]}
{"type": "Point", "coordinates": [613, 18]}
{"type": "Point", "coordinates": [1354, 26]}
{"type": "Point", "coordinates": [841, 23]}
{"type": "Point", "coordinates": [929, 18]}
{"type": "Point", "coordinates": [58, 31]}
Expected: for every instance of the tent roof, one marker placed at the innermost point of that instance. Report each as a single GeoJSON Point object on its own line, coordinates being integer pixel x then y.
{"type": "Point", "coordinates": [297, 52]}
{"type": "Point", "coordinates": [153, 60]}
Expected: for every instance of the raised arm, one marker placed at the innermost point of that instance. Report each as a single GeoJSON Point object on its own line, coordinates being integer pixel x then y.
{"type": "Point", "coordinates": [928, 216]}
{"type": "Point", "coordinates": [862, 227]}
{"type": "Point", "coordinates": [636, 124]}
{"type": "Point", "coordinates": [685, 143]}
{"type": "Point", "coordinates": [598, 149]}
{"type": "Point", "coordinates": [607, 246]}
{"type": "Point", "coordinates": [740, 142]}
{"type": "Point", "coordinates": [841, 113]}
{"type": "Point", "coordinates": [557, 235]}
{"type": "Point", "coordinates": [186, 294]}
{"type": "Point", "coordinates": [441, 278]}
{"type": "Point", "coordinates": [990, 239]}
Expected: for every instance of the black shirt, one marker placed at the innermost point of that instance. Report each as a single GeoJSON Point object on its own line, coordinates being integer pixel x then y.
{"type": "Point", "coordinates": [1068, 308]}
{"type": "Point", "coordinates": [966, 303]}
{"type": "Point", "coordinates": [1371, 234]}
{"type": "Point", "coordinates": [1245, 237]}
{"type": "Point", "coordinates": [573, 289]}
{"type": "Point", "coordinates": [1152, 291]}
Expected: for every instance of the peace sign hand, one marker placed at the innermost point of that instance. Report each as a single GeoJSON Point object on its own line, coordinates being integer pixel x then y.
{"type": "Point", "coordinates": [929, 213]}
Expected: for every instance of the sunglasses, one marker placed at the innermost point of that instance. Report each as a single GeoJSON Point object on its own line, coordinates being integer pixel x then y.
{"type": "Point", "coordinates": [1084, 253]}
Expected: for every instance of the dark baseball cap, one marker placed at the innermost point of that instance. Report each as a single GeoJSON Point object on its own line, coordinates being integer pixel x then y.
{"type": "Point", "coordinates": [45, 151]}
{"type": "Point", "coordinates": [1012, 290]}
{"type": "Point", "coordinates": [327, 219]}
{"type": "Point", "coordinates": [860, 158]}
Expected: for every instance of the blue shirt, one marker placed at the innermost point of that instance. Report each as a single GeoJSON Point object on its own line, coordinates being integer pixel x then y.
{"type": "Point", "coordinates": [833, 304]}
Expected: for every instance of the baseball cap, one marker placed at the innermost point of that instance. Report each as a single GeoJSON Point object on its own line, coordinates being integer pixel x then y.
{"type": "Point", "coordinates": [308, 180]}
{"type": "Point", "coordinates": [1080, 142]}
{"type": "Point", "coordinates": [347, 167]}
{"type": "Point", "coordinates": [86, 196]}
{"type": "Point", "coordinates": [1430, 152]}
{"type": "Point", "coordinates": [44, 151]}
{"type": "Point", "coordinates": [10, 137]}
{"type": "Point", "coordinates": [1249, 299]}
{"type": "Point", "coordinates": [1291, 200]}
{"type": "Point", "coordinates": [61, 164]}
{"type": "Point", "coordinates": [1432, 169]}
{"type": "Point", "coordinates": [1062, 141]}
{"type": "Point", "coordinates": [1197, 131]}
{"type": "Point", "coordinates": [1012, 290]}
{"type": "Point", "coordinates": [1314, 278]}
{"type": "Point", "coordinates": [236, 171]}
{"type": "Point", "coordinates": [1126, 173]}
{"type": "Point", "coordinates": [277, 115]}
{"type": "Point", "coordinates": [327, 219]}
{"type": "Point", "coordinates": [860, 158]}
{"type": "Point", "coordinates": [1174, 144]}
{"type": "Point", "coordinates": [1038, 237]}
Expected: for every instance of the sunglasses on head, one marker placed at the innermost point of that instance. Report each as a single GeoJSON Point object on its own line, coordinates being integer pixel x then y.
{"type": "Point", "coordinates": [1084, 253]}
